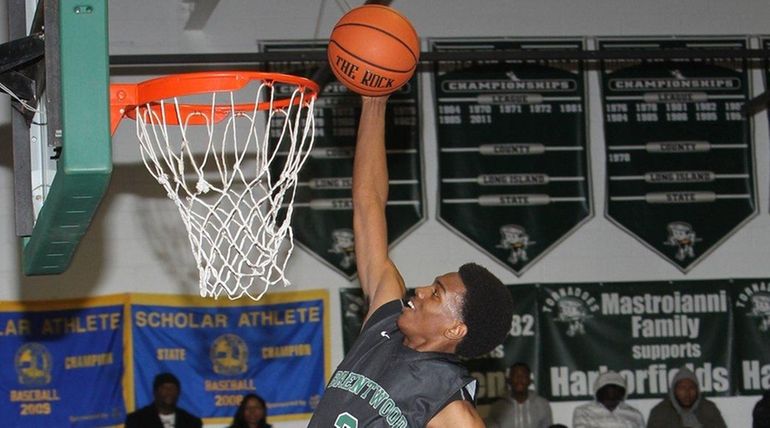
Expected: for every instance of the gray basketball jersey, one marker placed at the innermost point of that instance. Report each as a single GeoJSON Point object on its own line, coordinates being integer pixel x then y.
{"type": "Point", "coordinates": [382, 383]}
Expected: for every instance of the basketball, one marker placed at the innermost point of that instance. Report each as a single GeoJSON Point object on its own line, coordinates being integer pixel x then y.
{"type": "Point", "coordinates": [373, 50]}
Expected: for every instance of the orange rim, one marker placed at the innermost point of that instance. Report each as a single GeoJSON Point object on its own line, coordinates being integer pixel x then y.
{"type": "Point", "coordinates": [125, 98]}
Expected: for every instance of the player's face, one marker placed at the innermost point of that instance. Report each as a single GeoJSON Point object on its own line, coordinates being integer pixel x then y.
{"type": "Point", "coordinates": [253, 411]}
{"type": "Point", "coordinates": [686, 392]}
{"type": "Point", "coordinates": [434, 308]}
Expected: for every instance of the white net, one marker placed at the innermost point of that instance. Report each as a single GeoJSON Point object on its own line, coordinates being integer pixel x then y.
{"type": "Point", "coordinates": [231, 171]}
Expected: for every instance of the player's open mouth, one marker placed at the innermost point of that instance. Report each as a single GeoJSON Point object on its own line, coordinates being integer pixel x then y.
{"type": "Point", "coordinates": [410, 304]}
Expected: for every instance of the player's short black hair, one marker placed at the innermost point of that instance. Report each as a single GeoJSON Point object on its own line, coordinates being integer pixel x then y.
{"type": "Point", "coordinates": [487, 311]}
{"type": "Point", "coordinates": [162, 378]}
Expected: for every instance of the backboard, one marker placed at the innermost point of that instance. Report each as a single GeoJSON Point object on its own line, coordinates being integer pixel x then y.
{"type": "Point", "coordinates": [58, 71]}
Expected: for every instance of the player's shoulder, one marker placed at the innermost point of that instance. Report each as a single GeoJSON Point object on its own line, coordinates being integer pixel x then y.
{"type": "Point", "coordinates": [384, 286]}
{"type": "Point", "coordinates": [384, 313]}
{"type": "Point", "coordinates": [457, 413]}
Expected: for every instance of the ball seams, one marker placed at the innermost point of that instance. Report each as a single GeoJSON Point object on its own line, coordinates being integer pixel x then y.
{"type": "Point", "coordinates": [392, 70]}
{"type": "Point", "coordinates": [415, 56]}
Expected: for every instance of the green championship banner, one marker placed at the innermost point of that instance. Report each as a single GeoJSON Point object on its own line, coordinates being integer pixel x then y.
{"type": "Point", "coordinates": [643, 330]}
{"type": "Point", "coordinates": [513, 148]}
{"type": "Point", "coordinates": [323, 219]}
{"type": "Point", "coordinates": [62, 363]}
{"type": "Point", "coordinates": [220, 351]}
{"type": "Point", "coordinates": [680, 162]}
{"type": "Point", "coordinates": [752, 335]}
{"type": "Point", "coordinates": [569, 333]}
{"type": "Point", "coordinates": [354, 307]}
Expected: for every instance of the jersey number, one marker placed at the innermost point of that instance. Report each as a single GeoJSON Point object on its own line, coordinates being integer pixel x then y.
{"type": "Point", "coordinates": [346, 420]}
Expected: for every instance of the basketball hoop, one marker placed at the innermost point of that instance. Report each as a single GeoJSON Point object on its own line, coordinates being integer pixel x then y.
{"type": "Point", "coordinates": [227, 147]}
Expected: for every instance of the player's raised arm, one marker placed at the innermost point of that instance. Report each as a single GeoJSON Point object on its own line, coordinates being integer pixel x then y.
{"type": "Point", "coordinates": [380, 280]}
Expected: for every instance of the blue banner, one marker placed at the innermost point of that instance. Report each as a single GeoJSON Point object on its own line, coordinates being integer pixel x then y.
{"type": "Point", "coordinates": [223, 350]}
{"type": "Point", "coordinates": [62, 363]}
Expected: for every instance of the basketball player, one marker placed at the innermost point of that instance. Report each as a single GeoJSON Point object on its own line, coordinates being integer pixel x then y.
{"type": "Point", "coordinates": [404, 368]}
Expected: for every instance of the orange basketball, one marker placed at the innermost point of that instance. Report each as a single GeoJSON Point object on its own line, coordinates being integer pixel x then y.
{"type": "Point", "coordinates": [373, 50]}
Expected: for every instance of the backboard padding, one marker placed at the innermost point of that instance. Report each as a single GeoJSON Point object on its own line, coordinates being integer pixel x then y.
{"type": "Point", "coordinates": [84, 168]}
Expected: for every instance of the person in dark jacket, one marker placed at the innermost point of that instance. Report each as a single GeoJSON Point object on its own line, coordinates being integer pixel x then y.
{"type": "Point", "coordinates": [163, 411]}
{"type": "Point", "coordinates": [761, 412]}
{"type": "Point", "coordinates": [252, 413]}
{"type": "Point", "coordinates": [685, 406]}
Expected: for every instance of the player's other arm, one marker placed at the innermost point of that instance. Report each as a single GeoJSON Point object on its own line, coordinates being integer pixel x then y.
{"type": "Point", "coordinates": [380, 280]}
{"type": "Point", "coordinates": [459, 413]}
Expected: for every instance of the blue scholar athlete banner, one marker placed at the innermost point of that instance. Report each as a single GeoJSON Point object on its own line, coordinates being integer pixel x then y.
{"type": "Point", "coordinates": [221, 351]}
{"type": "Point", "coordinates": [62, 363]}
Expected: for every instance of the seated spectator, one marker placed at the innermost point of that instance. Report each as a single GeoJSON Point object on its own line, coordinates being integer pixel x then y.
{"type": "Point", "coordinates": [761, 412]}
{"type": "Point", "coordinates": [685, 406]}
{"type": "Point", "coordinates": [609, 410]}
{"type": "Point", "coordinates": [163, 411]}
{"type": "Point", "coordinates": [252, 413]}
{"type": "Point", "coordinates": [523, 408]}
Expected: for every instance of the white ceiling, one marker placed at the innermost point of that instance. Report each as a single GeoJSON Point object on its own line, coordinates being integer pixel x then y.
{"type": "Point", "coordinates": [157, 26]}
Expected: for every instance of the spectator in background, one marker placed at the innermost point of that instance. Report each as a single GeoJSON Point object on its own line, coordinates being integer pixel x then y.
{"type": "Point", "coordinates": [163, 411]}
{"type": "Point", "coordinates": [523, 408]}
{"type": "Point", "coordinates": [761, 412]}
{"type": "Point", "coordinates": [609, 410]}
{"type": "Point", "coordinates": [252, 413]}
{"type": "Point", "coordinates": [685, 406]}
